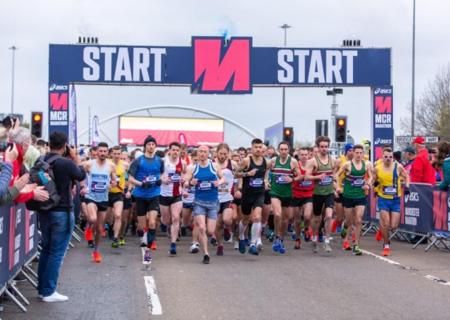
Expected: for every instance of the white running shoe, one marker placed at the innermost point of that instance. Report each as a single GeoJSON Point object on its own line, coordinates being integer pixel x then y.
{"type": "Point", "coordinates": [55, 297]}
{"type": "Point", "coordinates": [195, 247]}
{"type": "Point", "coordinates": [236, 245]}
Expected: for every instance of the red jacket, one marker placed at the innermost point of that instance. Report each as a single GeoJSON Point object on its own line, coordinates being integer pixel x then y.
{"type": "Point", "coordinates": [421, 169]}
{"type": "Point", "coordinates": [17, 165]}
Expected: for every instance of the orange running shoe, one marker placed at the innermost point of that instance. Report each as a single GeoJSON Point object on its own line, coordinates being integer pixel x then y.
{"type": "Point", "coordinates": [378, 235]}
{"type": "Point", "coordinates": [88, 234]}
{"type": "Point", "coordinates": [154, 246]}
{"type": "Point", "coordinates": [96, 257]}
{"type": "Point", "coordinates": [386, 252]}
{"type": "Point", "coordinates": [346, 245]}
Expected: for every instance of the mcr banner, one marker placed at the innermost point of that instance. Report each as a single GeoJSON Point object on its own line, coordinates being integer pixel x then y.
{"type": "Point", "coordinates": [383, 120]}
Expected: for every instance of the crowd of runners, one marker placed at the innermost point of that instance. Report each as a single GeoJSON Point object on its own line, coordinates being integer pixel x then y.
{"type": "Point", "coordinates": [217, 195]}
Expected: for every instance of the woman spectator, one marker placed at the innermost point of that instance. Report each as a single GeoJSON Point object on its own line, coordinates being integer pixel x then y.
{"type": "Point", "coordinates": [443, 164]}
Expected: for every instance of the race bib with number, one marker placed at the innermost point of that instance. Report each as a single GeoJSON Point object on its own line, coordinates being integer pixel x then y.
{"type": "Point", "coordinates": [326, 181]}
{"type": "Point", "coordinates": [306, 183]}
{"type": "Point", "coordinates": [98, 187]}
{"type": "Point", "coordinates": [281, 179]}
{"type": "Point", "coordinates": [256, 182]}
{"type": "Point", "coordinates": [359, 183]}
{"type": "Point", "coordinates": [390, 191]}
{"type": "Point", "coordinates": [174, 177]}
{"type": "Point", "coordinates": [205, 185]}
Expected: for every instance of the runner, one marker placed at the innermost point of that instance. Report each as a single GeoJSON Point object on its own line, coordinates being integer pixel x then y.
{"type": "Point", "coordinates": [206, 176]}
{"type": "Point", "coordinates": [321, 169]}
{"type": "Point", "coordinates": [101, 174]}
{"type": "Point", "coordinates": [388, 175]}
{"type": "Point", "coordinates": [188, 205]}
{"type": "Point", "coordinates": [145, 173]}
{"type": "Point", "coordinates": [284, 170]}
{"type": "Point", "coordinates": [339, 208]}
{"type": "Point", "coordinates": [170, 201]}
{"type": "Point", "coordinates": [357, 175]}
{"type": "Point", "coordinates": [226, 190]}
{"type": "Point", "coordinates": [302, 201]}
{"type": "Point", "coordinates": [253, 170]}
{"type": "Point", "coordinates": [116, 194]}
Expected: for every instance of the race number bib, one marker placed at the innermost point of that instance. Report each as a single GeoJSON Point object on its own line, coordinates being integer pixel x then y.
{"type": "Point", "coordinates": [326, 181]}
{"type": "Point", "coordinates": [151, 179]}
{"type": "Point", "coordinates": [358, 183]}
{"type": "Point", "coordinates": [223, 188]}
{"type": "Point", "coordinates": [281, 179]}
{"type": "Point", "coordinates": [98, 187]}
{"type": "Point", "coordinates": [256, 182]}
{"type": "Point", "coordinates": [174, 177]}
{"type": "Point", "coordinates": [390, 191]}
{"type": "Point", "coordinates": [205, 185]}
{"type": "Point", "coordinates": [306, 183]}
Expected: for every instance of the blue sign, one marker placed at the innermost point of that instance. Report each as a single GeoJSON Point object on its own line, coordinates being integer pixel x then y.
{"type": "Point", "coordinates": [383, 119]}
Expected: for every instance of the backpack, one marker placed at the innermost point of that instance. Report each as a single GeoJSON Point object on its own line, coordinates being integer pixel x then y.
{"type": "Point", "coordinates": [42, 174]}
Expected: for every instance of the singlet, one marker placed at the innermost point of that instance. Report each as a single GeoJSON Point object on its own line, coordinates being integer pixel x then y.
{"type": "Point", "coordinates": [342, 161]}
{"type": "Point", "coordinates": [226, 188]}
{"type": "Point", "coordinates": [99, 179]}
{"type": "Point", "coordinates": [255, 184]}
{"type": "Point", "coordinates": [279, 184]}
{"type": "Point", "coordinates": [325, 186]}
{"type": "Point", "coordinates": [121, 178]}
{"type": "Point", "coordinates": [354, 182]}
{"type": "Point", "coordinates": [302, 189]}
{"type": "Point", "coordinates": [147, 169]}
{"type": "Point", "coordinates": [205, 189]}
{"type": "Point", "coordinates": [389, 182]}
{"type": "Point", "coordinates": [173, 171]}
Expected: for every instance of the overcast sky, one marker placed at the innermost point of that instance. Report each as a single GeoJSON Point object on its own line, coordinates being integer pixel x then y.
{"type": "Point", "coordinates": [32, 25]}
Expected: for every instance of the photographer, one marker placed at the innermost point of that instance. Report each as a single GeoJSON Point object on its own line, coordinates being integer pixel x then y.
{"type": "Point", "coordinates": [57, 224]}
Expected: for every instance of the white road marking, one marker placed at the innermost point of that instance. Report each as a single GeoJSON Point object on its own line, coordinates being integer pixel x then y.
{"type": "Point", "coordinates": [438, 280]}
{"type": "Point", "coordinates": [381, 258]}
{"type": "Point", "coordinates": [154, 305]}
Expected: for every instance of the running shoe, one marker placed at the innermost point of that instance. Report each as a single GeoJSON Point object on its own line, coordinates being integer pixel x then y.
{"type": "Point", "coordinates": [242, 246]}
{"type": "Point", "coordinates": [147, 256]}
{"type": "Point", "coordinates": [143, 245]}
{"type": "Point", "coordinates": [271, 236]}
{"type": "Point", "coordinates": [297, 244]}
{"type": "Point", "coordinates": [327, 247]}
{"type": "Point", "coordinates": [386, 252]}
{"type": "Point", "coordinates": [378, 235]}
{"type": "Point", "coordinates": [282, 248]}
{"type": "Point", "coordinates": [276, 245]}
{"type": "Point", "coordinates": [346, 245]}
{"type": "Point", "coordinates": [173, 249]}
{"type": "Point", "coordinates": [88, 235]}
{"type": "Point", "coordinates": [315, 247]}
{"type": "Point", "coordinates": [213, 241]}
{"type": "Point", "coordinates": [219, 250]}
{"type": "Point", "coordinates": [121, 241]}
{"type": "Point", "coordinates": [343, 232]}
{"type": "Point", "coordinates": [115, 243]}
{"type": "Point", "coordinates": [205, 259]}
{"type": "Point", "coordinates": [226, 234]}
{"type": "Point", "coordinates": [252, 250]}
{"type": "Point", "coordinates": [91, 243]}
{"type": "Point", "coordinates": [356, 250]}
{"type": "Point", "coordinates": [236, 245]}
{"type": "Point", "coordinates": [96, 257]}
{"type": "Point", "coordinates": [259, 246]}
{"type": "Point", "coordinates": [307, 236]}
{"type": "Point", "coordinates": [194, 248]}
{"type": "Point", "coordinates": [154, 246]}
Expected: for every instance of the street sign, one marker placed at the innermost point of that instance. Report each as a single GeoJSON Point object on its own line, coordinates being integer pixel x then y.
{"type": "Point", "coordinates": [321, 128]}
{"type": "Point", "coordinates": [409, 139]}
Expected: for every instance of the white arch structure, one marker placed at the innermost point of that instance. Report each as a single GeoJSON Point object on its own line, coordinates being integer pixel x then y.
{"type": "Point", "coordinates": [176, 107]}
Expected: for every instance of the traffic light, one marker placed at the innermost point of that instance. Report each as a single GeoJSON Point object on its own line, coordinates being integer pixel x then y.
{"type": "Point", "coordinates": [341, 128]}
{"type": "Point", "coordinates": [288, 136]}
{"type": "Point", "coordinates": [36, 124]}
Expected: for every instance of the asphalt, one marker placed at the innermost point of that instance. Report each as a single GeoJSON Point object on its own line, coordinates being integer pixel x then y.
{"type": "Point", "coordinates": [299, 284]}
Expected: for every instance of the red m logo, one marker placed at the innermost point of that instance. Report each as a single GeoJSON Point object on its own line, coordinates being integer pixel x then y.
{"type": "Point", "coordinates": [383, 104]}
{"type": "Point", "coordinates": [220, 70]}
{"type": "Point", "coordinates": [58, 101]}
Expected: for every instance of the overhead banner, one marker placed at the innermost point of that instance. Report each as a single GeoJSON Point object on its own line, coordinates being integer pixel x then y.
{"type": "Point", "coordinates": [192, 132]}
{"type": "Point", "coordinates": [210, 65]}
{"type": "Point", "coordinates": [383, 120]}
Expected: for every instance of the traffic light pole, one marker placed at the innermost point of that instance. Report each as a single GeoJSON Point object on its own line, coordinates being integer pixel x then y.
{"type": "Point", "coordinates": [334, 107]}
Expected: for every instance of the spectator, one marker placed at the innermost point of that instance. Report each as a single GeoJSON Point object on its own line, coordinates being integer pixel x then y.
{"type": "Point", "coordinates": [57, 224]}
{"type": "Point", "coordinates": [421, 169]}
{"type": "Point", "coordinates": [443, 160]}
{"type": "Point", "coordinates": [8, 194]}
{"type": "Point", "coordinates": [21, 137]}
{"type": "Point", "coordinates": [398, 156]}
{"type": "Point", "coordinates": [410, 155]}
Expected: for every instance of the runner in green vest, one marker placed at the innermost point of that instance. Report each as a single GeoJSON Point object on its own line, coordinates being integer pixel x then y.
{"type": "Point", "coordinates": [357, 176]}
{"type": "Point", "coordinates": [321, 169]}
{"type": "Point", "coordinates": [283, 170]}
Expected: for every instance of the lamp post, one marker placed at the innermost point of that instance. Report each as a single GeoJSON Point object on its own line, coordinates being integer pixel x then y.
{"type": "Point", "coordinates": [413, 104]}
{"type": "Point", "coordinates": [283, 99]}
{"type": "Point", "coordinates": [13, 49]}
